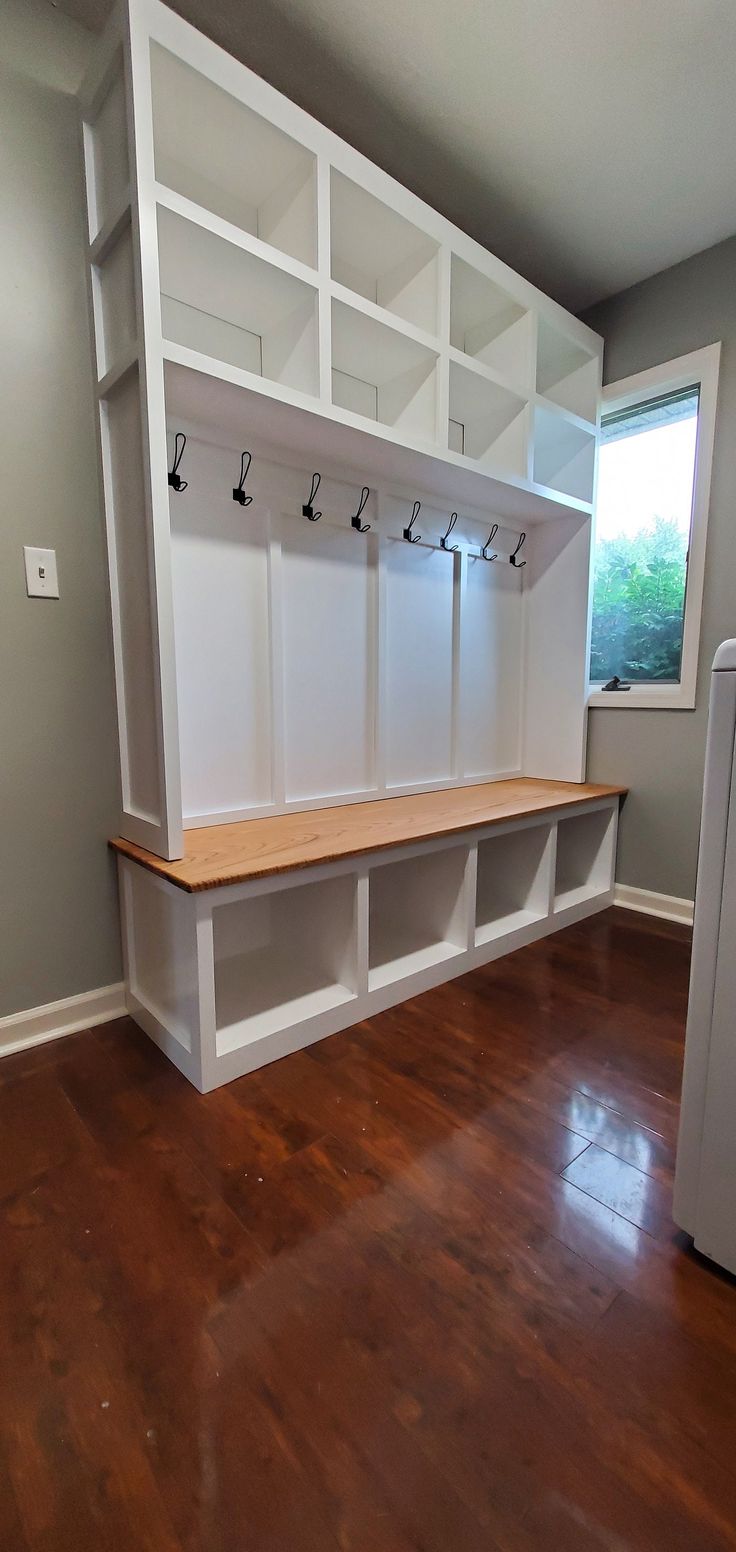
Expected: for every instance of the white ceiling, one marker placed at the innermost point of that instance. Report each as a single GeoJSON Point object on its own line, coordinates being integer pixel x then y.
{"type": "Point", "coordinates": [589, 143]}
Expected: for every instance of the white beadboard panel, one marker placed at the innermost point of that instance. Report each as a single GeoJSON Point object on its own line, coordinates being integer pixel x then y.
{"type": "Point", "coordinates": [418, 671]}
{"type": "Point", "coordinates": [328, 657]}
{"type": "Point", "coordinates": [492, 662]}
{"type": "Point", "coordinates": [221, 616]}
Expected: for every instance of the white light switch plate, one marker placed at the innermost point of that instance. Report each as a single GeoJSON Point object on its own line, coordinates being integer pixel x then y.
{"type": "Point", "coordinates": [41, 576]}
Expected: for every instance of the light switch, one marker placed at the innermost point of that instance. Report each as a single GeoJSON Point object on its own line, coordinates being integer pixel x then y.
{"type": "Point", "coordinates": [41, 577]}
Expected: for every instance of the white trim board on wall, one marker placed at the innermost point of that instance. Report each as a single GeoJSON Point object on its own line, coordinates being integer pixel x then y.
{"type": "Point", "coordinates": [650, 903]}
{"type": "Point", "coordinates": [34, 1026]}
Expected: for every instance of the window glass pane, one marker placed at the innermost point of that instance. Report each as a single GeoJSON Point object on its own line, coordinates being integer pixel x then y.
{"type": "Point", "coordinates": [643, 512]}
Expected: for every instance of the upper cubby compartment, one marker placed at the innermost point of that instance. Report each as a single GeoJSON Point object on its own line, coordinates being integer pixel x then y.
{"type": "Point", "coordinates": [212, 149]}
{"type": "Point", "coordinates": [382, 374]}
{"type": "Point", "coordinates": [486, 322]}
{"type": "Point", "coordinates": [222, 301]}
{"type": "Point", "coordinates": [567, 373]}
{"type": "Point", "coordinates": [487, 422]}
{"type": "Point", "coordinates": [564, 455]}
{"type": "Point", "coordinates": [378, 253]}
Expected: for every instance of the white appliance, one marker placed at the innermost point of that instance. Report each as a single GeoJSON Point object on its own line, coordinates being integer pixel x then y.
{"type": "Point", "coordinates": [705, 1178]}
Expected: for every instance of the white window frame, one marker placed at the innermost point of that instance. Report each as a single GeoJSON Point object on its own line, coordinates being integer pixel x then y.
{"type": "Point", "coordinates": [699, 368]}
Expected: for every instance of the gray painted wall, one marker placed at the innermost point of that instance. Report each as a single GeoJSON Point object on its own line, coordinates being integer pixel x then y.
{"type": "Point", "coordinates": [660, 754]}
{"type": "Point", "coordinates": [59, 931]}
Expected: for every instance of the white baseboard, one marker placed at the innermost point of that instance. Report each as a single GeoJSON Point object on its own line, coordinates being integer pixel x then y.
{"type": "Point", "coordinates": [648, 901]}
{"type": "Point", "coordinates": [19, 1031]}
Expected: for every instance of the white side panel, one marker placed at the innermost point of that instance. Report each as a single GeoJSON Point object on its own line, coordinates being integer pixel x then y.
{"type": "Point", "coordinates": [556, 580]}
{"type": "Point", "coordinates": [161, 952]}
{"type": "Point", "coordinates": [109, 173]}
{"type": "Point", "coordinates": [115, 315]}
{"type": "Point", "coordinates": [328, 653]}
{"type": "Point", "coordinates": [418, 672]}
{"type": "Point", "coordinates": [130, 582]}
{"type": "Point", "coordinates": [719, 773]}
{"type": "Point", "coordinates": [221, 620]}
{"type": "Point", "coordinates": [715, 1222]}
{"type": "Point", "coordinates": [491, 677]}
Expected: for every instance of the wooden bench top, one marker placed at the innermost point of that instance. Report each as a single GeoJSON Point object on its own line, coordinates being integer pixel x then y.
{"type": "Point", "coordinates": [257, 848]}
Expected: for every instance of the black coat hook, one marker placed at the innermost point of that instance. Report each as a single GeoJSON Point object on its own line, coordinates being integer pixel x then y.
{"type": "Point", "coordinates": [175, 480]}
{"type": "Point", "coordinates": [489, 541]}
{"type": "Point", "coordinates": [355, 519]}
{"type": "Point", "coordinates": [238, 491]}
{"type": "Point", "coordinates": [408, 535]}
{"type": "Point", "coordinates": [512, 558]}
{"type": "Point", "coordinates": [443, 541]}
{"type": "Point", "coordinates": [308, 508]}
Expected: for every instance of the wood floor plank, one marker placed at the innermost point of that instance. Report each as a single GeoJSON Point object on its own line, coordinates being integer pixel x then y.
{"type": "Point", "coordinates": [611, 1181]}
{"type": "Point", "coordinates": [415, 1289]}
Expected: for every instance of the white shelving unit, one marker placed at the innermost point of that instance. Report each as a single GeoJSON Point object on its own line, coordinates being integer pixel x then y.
{"type": "Point", "coordinates": [258, 286]}
{"type": "Point", "coordinates": [229, 979]}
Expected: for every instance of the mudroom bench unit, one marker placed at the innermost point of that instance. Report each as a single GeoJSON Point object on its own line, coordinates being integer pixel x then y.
{"type": "Point", "coordinates": [272, 933]}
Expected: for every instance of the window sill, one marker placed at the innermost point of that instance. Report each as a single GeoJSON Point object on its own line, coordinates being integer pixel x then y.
{"type": "Point", "coordinates": [646, 697]}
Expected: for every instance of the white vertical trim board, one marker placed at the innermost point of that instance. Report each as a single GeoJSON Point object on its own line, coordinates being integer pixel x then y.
{"type": "Point", "coordinates": [651, 903]}
{"type": "Point", "coordinates": [34, 1026]}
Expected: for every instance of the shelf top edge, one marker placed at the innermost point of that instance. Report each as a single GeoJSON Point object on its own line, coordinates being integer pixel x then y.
{"type": "Point", "coordinates": [251, 849]}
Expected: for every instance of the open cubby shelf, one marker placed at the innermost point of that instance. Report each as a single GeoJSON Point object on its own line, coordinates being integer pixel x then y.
{"type": "Point", "coordinates": [489, 324]}
{"type": "Point", "coordinates": [564, 455]}
{"type": "Point", "coordinates": [416, 914]}
{"type": "Point", "coordinates": [213, 149]}
{"type": "Point", "coordinates": [584, 857]}
{"type": "Point", "coordinates": [281, 958]}
{"type": "Point", "coordinates": [220, 300]}
{"type": "Point", "coordinates": [383, 374]}
{"type": "Point", "coordinates": [382, 256]}
{"type": "Point", "coordinates": [567, 373]}
{"type": "Point", "coordinates": [513, 882]}
{"type": "Point", "coordinates": [487, 422]}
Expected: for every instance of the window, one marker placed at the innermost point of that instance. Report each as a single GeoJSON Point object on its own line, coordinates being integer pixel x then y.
{"type": "Point", "coordinates": [650, 528]}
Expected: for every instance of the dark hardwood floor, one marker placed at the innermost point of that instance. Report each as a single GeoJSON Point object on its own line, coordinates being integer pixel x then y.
{"type": "Point", "coordinates": [416, 1288]}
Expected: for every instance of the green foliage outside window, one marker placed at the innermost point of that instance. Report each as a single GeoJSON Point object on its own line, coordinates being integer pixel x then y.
{"type": "Point", "coordinates": [638, 605]}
